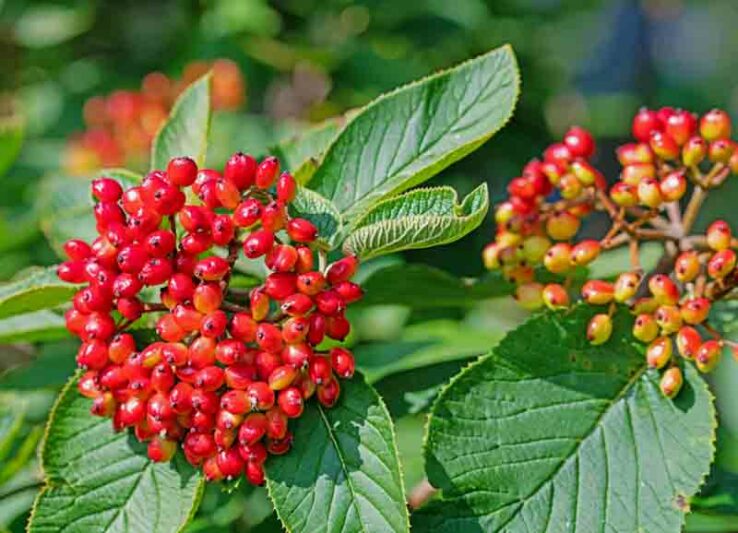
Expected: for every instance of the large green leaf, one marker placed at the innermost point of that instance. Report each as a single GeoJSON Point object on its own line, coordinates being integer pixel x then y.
{"type": "Point", "coordinates": [100, 480]}
{"type": "Point", "coordinates": [343, 473]}
{"type": "Point", "coordinates": [185, 133]}
{"type": "Point", "coordinates": [39, 288]}
{"type": "Point", "coordinates": [418, 219]}
{"type": "Point", "coordinates": [409, 285]}
{"type": "Point", "coordinates": [549, 434]}
{"type": "Point", "coordinates": [321, 212]}
{"type": "Point", "coordinates": [406, 136]}
{"type": "Point", "coordinates": [65, 206]}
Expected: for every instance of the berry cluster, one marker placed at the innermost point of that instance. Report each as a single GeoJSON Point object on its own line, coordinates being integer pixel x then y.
{"type": "Point", "coordinates": [538, 224]}
{"type": "Point", "coordinates": [121, 127]}
{"type": "Point", "coordinates": [229, 367]}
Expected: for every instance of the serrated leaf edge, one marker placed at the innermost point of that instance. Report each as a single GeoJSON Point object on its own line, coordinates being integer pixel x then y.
{"type": "Point", "coordinates": [441, 164]}
{"type": "Point", "coordinates": [49, 485]}
{"type": "Point", "coordinates": [443, 391]}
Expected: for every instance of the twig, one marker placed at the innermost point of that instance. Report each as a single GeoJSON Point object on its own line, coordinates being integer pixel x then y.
{"type": "Point", "coordinates": [230, 306]}
{"type": "Point", "coordinates": [693, 208]}
{"type": "Point", "coordinates": [635, 258]}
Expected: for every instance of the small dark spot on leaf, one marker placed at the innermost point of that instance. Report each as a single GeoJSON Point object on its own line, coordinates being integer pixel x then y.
{"type": "Point", "coordinates": [682, 503]}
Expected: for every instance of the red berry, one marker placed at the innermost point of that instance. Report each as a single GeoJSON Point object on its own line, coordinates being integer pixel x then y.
{"type": "Point", "coordinates": [579, 142]}
{"type": "Point", "coordinates": [328, 392]}
{"type": "Point", "coordinates": [212, 268]}
{"type": "Point", "coordinates": [241, 170]}
{"type": "Point", "coordinates": [260, 395]}
{"type": "Point", "coordinates": [106, 190]}
{"type": "Point", "coordinates": [290, 402]}
{"type": "Point", "coordinates": [286, 187]}
{"type": "Point", "coordinates": [252, 429]}
{"type": "Point", "coordinates": [259, 243]}
{"type": "Point", "coordinates": [302, 230]}
{"type": "Point", "coordinates": [160, 243]}
{"type": "Point", "coordinates": [266, 172]}
{"type": "Point", "coordinates": [182, 171]}
{"type": "Point", "coordinates": [342, 362]}
{"type": "Point", "coordinates": [230, 462]}
{"type": "Point", "coordinates": [644, 123]}
{"type": "Point", "coordinates": [77, 250]}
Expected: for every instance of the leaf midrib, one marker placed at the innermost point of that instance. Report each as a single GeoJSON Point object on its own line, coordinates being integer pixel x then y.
{"type": "Point", "coordinates": [350, 484]}
{"type": "Point", "coordinates": [574, 452]}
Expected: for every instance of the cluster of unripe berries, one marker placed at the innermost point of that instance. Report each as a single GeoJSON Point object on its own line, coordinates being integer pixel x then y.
{"type": "Point", "coordinates": [120, 127]}
{"type": "Point", "coordinates": [229, 367]}
{"type": "Point", "coordinates": [538, 224]}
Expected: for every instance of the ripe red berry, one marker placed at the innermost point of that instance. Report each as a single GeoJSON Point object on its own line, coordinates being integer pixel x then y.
{"type": "Point", "coordinates": [241, 170]}
{"type": "Point", "coordinates": [290, 402]}
{"type": "Point", "coordinates": [212, 268]}
{"type": "Point", "coordinates": [286, 187]}
{"type": "Point", "coordinates": [579, 142]}
{"type": "Point", "coordinates": [644, 123]}
{"type": "Point", "coordinates": [259, 243]}
{"type": "Point", "coordinates": [302, 230]}
{"type": "Point", "coordinates": [266, 172]}
{"type": "Point", "coordinates": [342, 362]}
{"type": "Point", "coordinates": [106, 190]}
{"type": "Point", "coordinates": [182, 171]}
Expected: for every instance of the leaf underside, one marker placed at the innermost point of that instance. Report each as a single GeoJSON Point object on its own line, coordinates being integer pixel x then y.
{"type": "Point", "coordinates": [550, 434]}
{"type": "Point", "coordinates": [418, 219]}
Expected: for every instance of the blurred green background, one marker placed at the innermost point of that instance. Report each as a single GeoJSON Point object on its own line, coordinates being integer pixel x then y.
{"type": "Point", "coordinates": [583, 62]}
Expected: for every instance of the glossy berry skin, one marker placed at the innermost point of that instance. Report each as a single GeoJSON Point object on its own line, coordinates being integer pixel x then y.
{"type": "Point", "coordinates": [579, 142]}
{"type": "Point", "coordinates": [301, 230]}
{"type": "Point", "coordinates": [182, 171]}
{"type": "Point", "coordinates": [671, 382]}
{"type": "Point", "coordinates": [290, 402]}
{"type": "Point", "coordinates": [708, 355]}
{"type": "Point", "coordinates": [645, 328]}
{"type": "Point", "coordinates": [598, 292]}
{"type": "Point", "coordinates": [555, 296]}
{"type": "Point", "coordinates": [659, 352]}
{"type": "Point", "coordinates": [599, 329]}
{"type": "Point", "coordinates": [240, 169]}
{"type": "Point", "coordinates": [688, 341]}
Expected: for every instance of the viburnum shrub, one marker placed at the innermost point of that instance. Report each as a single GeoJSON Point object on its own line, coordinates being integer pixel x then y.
{"type": "Point", "coordinates": [237, 320]}
{"type": "Point", "coordinates": [675, 153]}
{"type": "Point", "coordinates": [229, 368]}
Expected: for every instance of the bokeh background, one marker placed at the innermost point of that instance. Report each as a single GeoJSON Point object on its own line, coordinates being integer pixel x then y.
{"type": "Point", "coordinates": [291, 63]}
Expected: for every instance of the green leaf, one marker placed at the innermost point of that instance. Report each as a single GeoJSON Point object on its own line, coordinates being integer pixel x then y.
{"type": "Point", "coordinates": [100, 480]}
{"type": "Point", "coordinates": [302, 153]}
{"type": "Point", "coordinates": [342, 473]}
{"type": "Point", "coordinates": [185, 133]}
{"type": "Point", "coordinates": [65, 206]}
{"type": "Point", "coordinates": [418, 219]}
{"type": "Point", "coordinates": [33, 327]}
{"type": "Point", "coordinates": [549, 433]}
{"type": "Point", "coordinates": [321, 212]}
{"type": "Point", "coordinates": [407, 136]}
{"type": "Point", "coordinates": [408, 285]}
{"type": "Point", "coordinates": [38, 288]}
